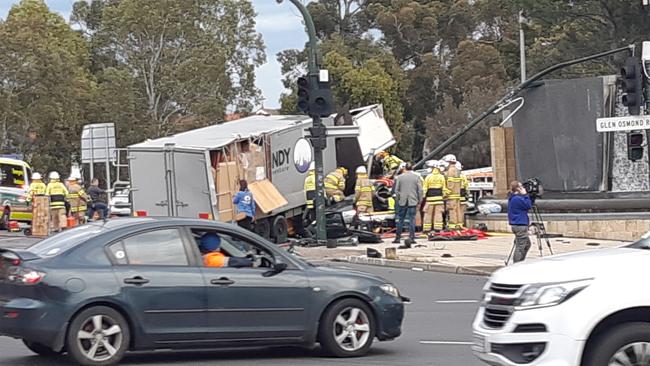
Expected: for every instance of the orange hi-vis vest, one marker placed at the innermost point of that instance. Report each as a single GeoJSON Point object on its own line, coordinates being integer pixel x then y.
{"type": "Point", "coordinates": [215, 259]}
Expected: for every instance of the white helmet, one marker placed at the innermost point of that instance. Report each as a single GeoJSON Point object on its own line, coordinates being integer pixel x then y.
{"type": "Point", "coordinates": [54, 175]}
{"type": "Point", "coordinates": [312, 166]}
{"type": "Point", "coordinates": [362, 170]}
{"type": "Point", "coordinates": [432, 163]}
{"type": "Point", "coordinates": [450, 158]}
{"type": "Point", "coordinates": [71, 178]}
{"type": "Point", "coordinates": [36, 176]}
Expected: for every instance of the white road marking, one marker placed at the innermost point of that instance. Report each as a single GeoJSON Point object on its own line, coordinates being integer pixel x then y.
{"type": "Point", "coordinates": [447, 343]}
{"type": "Point", "coordinates": [456, 301]}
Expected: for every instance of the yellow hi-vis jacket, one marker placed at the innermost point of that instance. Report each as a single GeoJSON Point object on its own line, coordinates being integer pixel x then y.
{"type": "Point", "coordinates": [335, 180]}
{"type": "Point", "coordinates": [77, 198]}
{"type": "Point", "coordinates": [36, 189]}
{"type": "Point", "coordinates": [435, 187]}
{"type": "Point", "coordinates": [310, 188]}
{"type": "Point", "coordinates": [454, 183]}
{"type": "Point", "coordinates": [391, 162]}
{"type": "Point", "coordinates": [57, 192]}
{"type": "Point", "coordinates": [363, 191]}
{"type": "Point", "coordinates": [464, 188]}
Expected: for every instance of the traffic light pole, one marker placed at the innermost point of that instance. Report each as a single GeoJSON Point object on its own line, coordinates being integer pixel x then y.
{"type": "Point", "coordinates": [318, 132]}
{"type": "Point", "coordinates": [513, 94]}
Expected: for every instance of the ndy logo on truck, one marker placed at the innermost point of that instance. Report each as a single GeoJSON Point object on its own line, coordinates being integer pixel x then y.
{"type": "Point", "coordinates": [302, 157]}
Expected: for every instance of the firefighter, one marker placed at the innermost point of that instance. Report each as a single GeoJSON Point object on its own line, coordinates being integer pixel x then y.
{"type": "Point", "coordinates": [435, 190]}
{"type": "Point", "coordinates": [464, 191]}
{"type": "Point", "coordinates": [454, 184]}
{"type": "Point", "coordinates": [57, 193]}
{"type": "Point", "coordinates": [363, 191]}
{"type": "Point", "coordinates": [335, 184]}
{"type": "Point", "coordinates": [77, 198]}
{"type": "Point", "coordinates": [36, 187]}
{"type": "Point", "coordinates": [390, 163]}
{"type": "Point", "coordinates": [310, 195]}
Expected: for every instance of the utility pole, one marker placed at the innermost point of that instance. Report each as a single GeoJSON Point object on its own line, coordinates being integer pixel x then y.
{"type": "Point", "coordinates": [318, 132]}
{"type": "Point", "coordinates": [522, 46]}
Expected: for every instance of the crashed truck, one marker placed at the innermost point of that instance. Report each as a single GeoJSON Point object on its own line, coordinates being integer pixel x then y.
{"type": "Point", "coordinates": [196, 173]}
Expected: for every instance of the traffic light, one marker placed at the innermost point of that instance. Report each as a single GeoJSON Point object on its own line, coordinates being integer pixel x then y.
{"type": "Point", "coordinates": [635, 146]}
{"type": "Point", "coordinates": [303, 94]}
{"type": "Point", "coordinates": [315, 96]}
{"type": "Point", "coordinates": [632, 85]}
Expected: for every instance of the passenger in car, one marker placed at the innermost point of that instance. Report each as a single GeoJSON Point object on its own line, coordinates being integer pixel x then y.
{"type": "Point", "coordinates": [213, 257]}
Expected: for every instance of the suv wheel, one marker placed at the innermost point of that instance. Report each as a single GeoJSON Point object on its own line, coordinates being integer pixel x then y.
{"type": "Point", "coordinates": [98, 336]}
{"type": "Point", "coordinates": [627, 344]}
{"type": "Point", "coordinates": [347, 329]}
{"type": "Point", "coordinates": [40, 349]}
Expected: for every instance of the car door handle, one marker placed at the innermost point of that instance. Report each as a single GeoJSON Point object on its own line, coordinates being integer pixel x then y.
{"type": "Point", "coordinates": [136, 280]}
{"type": "Point", "coordinates": [223, 281]}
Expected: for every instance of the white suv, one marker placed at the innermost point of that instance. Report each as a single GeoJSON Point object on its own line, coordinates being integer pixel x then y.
{"type": "Point", "coordinates": [589, 308]}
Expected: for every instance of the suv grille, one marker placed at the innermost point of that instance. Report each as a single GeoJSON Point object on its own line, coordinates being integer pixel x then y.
{"type": "Point", "coordinates": [500, 305]}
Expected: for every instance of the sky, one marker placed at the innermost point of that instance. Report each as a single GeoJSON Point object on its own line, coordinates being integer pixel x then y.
{"type": "Point", "coordinates": [280, 26]}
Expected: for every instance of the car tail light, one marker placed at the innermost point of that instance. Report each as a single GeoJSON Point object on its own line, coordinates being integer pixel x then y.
{"type": "Point", "coordinates": [205, 215]}
{"type": "Point", "coordinates": [25, 276]}
{"type": "Point", "coordinates": [140, 213]}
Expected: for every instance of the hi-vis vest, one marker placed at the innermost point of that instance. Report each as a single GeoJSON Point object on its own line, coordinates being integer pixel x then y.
{"type": "Point", "coordinates": [215, 259]}
{"type": "Point", "coordinates": [57, 192]}
{"type": "Point", "coordinates": [77, 197]}
{"type": "Point", "coordinates": [464, 188]}
{"type": "Point", "coordinates": [392, 162]}
{"type": "Point", "coordinates": [363, 191]}
{"type": "Point", "coordinates": [310, 188]}
{"type": "Point", "coordinates": [435, 187]}
{"type": "Point", "coordinates": [36, 189]}
{"type": "Point", "coordinates": [335, 180]}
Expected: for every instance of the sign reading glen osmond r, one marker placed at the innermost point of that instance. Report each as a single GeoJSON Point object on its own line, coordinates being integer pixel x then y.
{"type": "Point", "coordinates": [628, 123]}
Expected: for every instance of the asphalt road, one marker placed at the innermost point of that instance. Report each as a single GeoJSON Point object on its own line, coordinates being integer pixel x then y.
{"type": "Point", "coordinates": [436, 331]}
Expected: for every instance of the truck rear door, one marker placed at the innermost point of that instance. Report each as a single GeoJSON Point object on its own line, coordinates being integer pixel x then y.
{"type": "Point", "coordinates": [193, 183]}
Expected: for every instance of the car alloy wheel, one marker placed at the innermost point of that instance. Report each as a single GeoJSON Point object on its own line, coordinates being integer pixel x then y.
{"type": "Point", "coordinates": [351, 329]}
{"type": "Point", "coordinates": [635, 354]}
{"type": "Point", "coordinates": [100, 338]}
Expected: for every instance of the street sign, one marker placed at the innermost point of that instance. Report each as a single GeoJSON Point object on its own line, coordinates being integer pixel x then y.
{"type": "Point", "coordinates": [628, 123]}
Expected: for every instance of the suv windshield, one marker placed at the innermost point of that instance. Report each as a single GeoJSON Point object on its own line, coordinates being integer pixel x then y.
{"type": "Point", "coordinates": [643, 243]}
{"type": "Point", "coordinates": [64, 241]}
{"type": "Point", "coordinates": [12, 176]}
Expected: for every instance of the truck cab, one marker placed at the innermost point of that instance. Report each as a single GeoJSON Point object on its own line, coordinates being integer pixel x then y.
{"type": "Point", "coordinates": [14, 185]}
{"type": "Point", "coordinates": [588, 308]}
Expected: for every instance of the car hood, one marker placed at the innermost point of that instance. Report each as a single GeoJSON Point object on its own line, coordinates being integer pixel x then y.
{"type": "Point", "coordinates": [574, 266]}
{"type": "Point", "coordinates": [344, 271]}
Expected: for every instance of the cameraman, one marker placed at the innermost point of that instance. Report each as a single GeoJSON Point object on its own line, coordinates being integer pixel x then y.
{"type": "Point", "coordinates": [518, 205]}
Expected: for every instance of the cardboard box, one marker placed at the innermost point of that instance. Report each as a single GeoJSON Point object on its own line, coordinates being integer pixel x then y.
{"type": "Point", "coordinates": [266, 196]}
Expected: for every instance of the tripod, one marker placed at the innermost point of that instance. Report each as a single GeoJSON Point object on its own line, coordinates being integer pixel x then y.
{"type": "Point", "coordinates": [540, 233]}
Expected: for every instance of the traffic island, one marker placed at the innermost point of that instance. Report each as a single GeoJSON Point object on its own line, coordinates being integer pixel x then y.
{"type": "Point", "coordinates": [477, 257]}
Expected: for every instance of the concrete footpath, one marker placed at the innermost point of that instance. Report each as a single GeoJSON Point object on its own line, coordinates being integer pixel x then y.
{"type": "Point", "coordinates": [465, 257]}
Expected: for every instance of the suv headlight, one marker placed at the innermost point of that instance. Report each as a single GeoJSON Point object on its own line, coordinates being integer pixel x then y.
{"type": "Point", "coordinates": [543, 295]}
{"type": "Point", "coordinates": [390, 289]}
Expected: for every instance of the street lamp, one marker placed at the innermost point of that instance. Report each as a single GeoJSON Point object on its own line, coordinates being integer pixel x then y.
{"type": "Point", "coordinates": [318, 132]}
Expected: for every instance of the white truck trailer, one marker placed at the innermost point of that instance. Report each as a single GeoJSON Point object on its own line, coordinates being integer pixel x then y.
{"type": "Point", "coordinates": [196, 173]}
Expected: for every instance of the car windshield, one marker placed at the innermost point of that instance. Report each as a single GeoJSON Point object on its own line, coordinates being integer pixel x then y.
{"type": "Point", "coordinates": [64, 241]}
{"type": "Point", "coordinates": [643, 243]}
{"type": "Point", "coordinates": [12, 176]}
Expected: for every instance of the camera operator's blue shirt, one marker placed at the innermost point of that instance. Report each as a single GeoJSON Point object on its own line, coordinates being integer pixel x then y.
{"type": "Point", "coordinates": [518, 206]}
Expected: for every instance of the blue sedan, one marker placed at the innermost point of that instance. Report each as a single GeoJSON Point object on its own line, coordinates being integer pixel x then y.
{"type": "Point", "coordinates": [100, 290]}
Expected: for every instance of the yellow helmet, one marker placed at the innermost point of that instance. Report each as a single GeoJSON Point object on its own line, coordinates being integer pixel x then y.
{"type": "Point", "coordinates": [343, 170]}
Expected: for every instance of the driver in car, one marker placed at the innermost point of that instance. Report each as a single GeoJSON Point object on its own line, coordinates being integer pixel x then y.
{"type": "Point", "coordinates": [213, 257]}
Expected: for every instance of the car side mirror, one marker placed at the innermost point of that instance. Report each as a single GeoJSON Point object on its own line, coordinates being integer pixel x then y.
{"type": "Point", "coordinates": [276, 269]}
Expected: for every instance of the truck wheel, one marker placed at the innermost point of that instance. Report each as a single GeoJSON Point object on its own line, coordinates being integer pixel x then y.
{"type": "Point", "coordinates": [4, 220]}
{"type": "Point", "coordinates": [262, 228]}
{"type": "Point", "coordinates": [619, 345]}
{"type": "Point", "coordinates": [280, 230]}
{"type": "Point", "coordinates": [347, 329]}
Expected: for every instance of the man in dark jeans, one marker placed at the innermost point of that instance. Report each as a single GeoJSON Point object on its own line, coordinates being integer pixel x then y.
{"type": "Point", "coordinates": [98, 197]}
{"type": "Point", "coordinates": [518, 205]}
{"type": "Point", "coordinates": [409, 192]}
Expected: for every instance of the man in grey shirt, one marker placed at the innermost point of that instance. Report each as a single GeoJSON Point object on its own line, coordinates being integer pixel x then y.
{"type": "Point", "coordinates": [409, 192]}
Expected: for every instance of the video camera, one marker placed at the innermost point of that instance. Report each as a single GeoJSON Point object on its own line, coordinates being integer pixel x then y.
{"type": "Point", "coordinates": [534, 188]}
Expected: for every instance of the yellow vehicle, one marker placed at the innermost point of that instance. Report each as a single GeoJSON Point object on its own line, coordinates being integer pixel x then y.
{"type": "Point", "coordinates": [14, 185]}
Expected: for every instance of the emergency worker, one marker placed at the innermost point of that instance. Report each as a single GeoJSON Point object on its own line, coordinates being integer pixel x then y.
{"type": "Point", "coordinates": [435, 190]}
{"type": "Point", "coordinates": [213, 257]}
{"type": "Point", "coordinates": [57, 193]}
{"type": "Point", "coordinates": [390, 163]}
{"type": "Point", "coordinates": [363, 191]}
{"type": "Point", "coordinates": [36, 187]}
{"type": "Point", "coordinates": [464, 191]}
{"type": "Point", "coordinates": [310, 186]}
{"type": "Point", "coordinates": [454, 184]}
{"type": "Point", "coordinates": [335, 184]}
{"type": "Point", "coordinates": [77, 198]}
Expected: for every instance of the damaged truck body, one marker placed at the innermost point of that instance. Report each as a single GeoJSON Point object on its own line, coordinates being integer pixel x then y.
{"type": "Point", "coordinates": [195, 174]}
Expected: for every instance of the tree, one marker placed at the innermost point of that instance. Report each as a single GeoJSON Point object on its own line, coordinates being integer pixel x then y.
{"type": "Point", "coordinates": [189, 60]}
{"type": "Point", "coordinates": [44, 86]}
